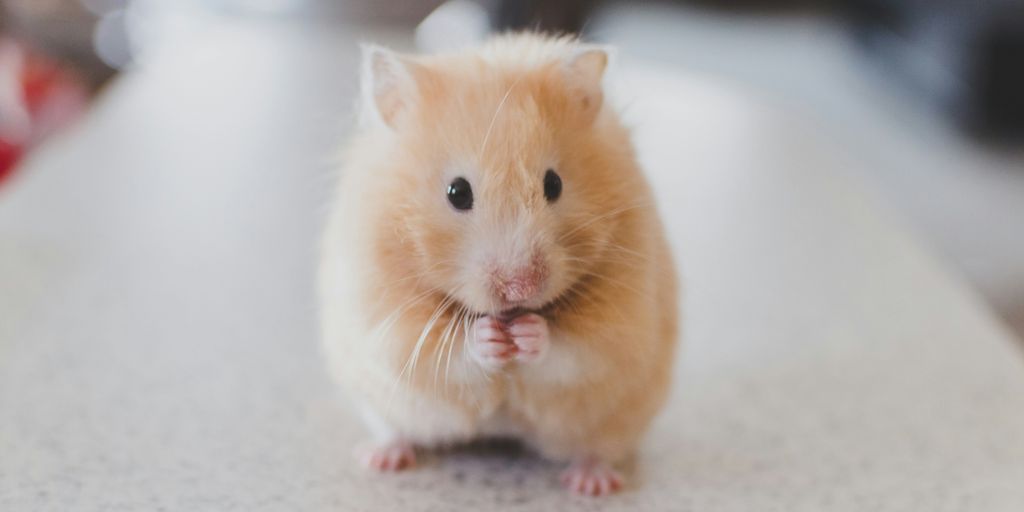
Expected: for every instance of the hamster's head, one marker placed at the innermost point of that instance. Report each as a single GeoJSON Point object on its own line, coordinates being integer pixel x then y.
{"type": "Point", "coordinates": [499, 176]}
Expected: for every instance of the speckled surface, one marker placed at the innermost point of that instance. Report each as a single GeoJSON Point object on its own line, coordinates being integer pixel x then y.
{"type": "Point", "coordinates": [158, 347]}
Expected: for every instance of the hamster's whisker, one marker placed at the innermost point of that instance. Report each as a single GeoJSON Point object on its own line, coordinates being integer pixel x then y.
{"type": "Point", "coordinates": [429, 271]}
{"type": "Point", "coordinates": [425, 332]}
{"type": "Point", "coordinates": [439, 348]}
{"type": "Point", "coordinates": [577, 295]}
{"type": "Point", "coordinates": [465, 357]}
{"type": "Point", "coordinates": [616, 282]}
{"type": "Point", "coordinates": [466, 322]}
{"type": "Point", "coordinates": [388, 286]}
{"type": "Point", "coordinates": [591, 262]}
{"type": "Point", "coordinates": [459, 315]}
{"type": "Point", "coordinates": [607, 260]}
{"type": "Point", "coordinates": [379, 336]}
{"type": "Point", "coordinates": [613, 247]}
{"type": "Point", "coordinates": [399, 311]}
{"type": "Point", "coordinates": [606, 215]}
{"type": "Point", "coordinates": [413, 358]}
{"type": "Point", "coordinates": [390, 320]}
{"type": "Point", "coordinates": [501, 104]}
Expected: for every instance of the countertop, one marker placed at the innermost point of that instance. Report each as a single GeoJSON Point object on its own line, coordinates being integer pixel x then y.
{"type": "Point", "coordinates": [158, 344]}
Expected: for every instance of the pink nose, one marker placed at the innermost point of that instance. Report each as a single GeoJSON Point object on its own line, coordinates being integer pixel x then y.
{"type": "Point", "coordinates": [519, 289]}
{"type": "Point", "coordinates": [521, 285]}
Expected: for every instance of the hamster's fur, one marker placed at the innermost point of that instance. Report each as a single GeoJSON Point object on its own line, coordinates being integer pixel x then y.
{"type": "Point", "coordinates": [551, 318]}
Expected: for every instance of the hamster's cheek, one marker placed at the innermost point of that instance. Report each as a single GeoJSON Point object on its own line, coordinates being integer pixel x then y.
{"type": "Point", "coordinates": [564, 269]}
{"type": "Point", "coordinates": [468, 287]}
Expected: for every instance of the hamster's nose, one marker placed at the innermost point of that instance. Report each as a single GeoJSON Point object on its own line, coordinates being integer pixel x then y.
{"type": "Point", "coordinates": [521, 284]}
{"type": "Point", "coordinates": [519, 289]}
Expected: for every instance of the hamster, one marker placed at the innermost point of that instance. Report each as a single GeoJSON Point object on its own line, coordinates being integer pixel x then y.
{"type": "Point", "coordinates": [494, 263]}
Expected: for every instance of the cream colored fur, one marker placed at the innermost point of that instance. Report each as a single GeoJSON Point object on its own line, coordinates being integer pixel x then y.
{"type": "Point", "coordinates": [403, 274]}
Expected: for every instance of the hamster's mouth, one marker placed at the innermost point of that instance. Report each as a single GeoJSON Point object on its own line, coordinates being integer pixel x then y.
{"type": "Point", "coordinates": [508, 311]}
{"type": "Point", "coordinates": [511, 313]}
{"type": "Point", "coordinates": [503, 315]}
{"type": "Point", "coordinates": [503, 312]}
{"type": "Point", "coordinates": [565, 298]}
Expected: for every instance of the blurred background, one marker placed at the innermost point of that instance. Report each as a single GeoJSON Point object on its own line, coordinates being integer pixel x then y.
{"type": "Point", "coordinates": [926, 96]}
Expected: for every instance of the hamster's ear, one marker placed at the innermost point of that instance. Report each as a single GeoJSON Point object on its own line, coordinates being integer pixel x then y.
{"type": "Point", "coordinates": [584, 70]}
{"type": "Point", "coordinates": [388, 85]}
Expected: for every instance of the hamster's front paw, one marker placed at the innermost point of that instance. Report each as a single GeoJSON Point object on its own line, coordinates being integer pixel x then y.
{"type": "Point", "coordinates": [489, 345]}
{"type": "Point", "coordinates": [529, 333]}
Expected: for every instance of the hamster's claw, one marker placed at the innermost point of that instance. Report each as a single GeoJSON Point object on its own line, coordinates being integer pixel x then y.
{"type": "Point", "coordinates": [388, 457]}
{"type": "Point", "coordinates": [529, 333]}
{"type": "Point", "coordinates": [489, 345]}
{"type": "Point", "coordinates": [591, 478]}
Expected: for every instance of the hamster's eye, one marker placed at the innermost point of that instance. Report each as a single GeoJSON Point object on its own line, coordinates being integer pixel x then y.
{"type": "Point", "coordinates": [552, 185]}
{"type": "Point", "coordinates": [460, 194]}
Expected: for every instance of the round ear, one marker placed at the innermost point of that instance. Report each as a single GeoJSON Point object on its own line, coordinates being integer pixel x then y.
{"type": "Point", "coordinates": [584, 69]}
{"type": "Point", "coordinates": [389, 87]}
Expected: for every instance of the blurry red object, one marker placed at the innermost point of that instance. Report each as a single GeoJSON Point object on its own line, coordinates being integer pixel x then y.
{"type": "Point", "coordinates": [9, 155]}
{"type": "Point", "coordinates": [37, 97]}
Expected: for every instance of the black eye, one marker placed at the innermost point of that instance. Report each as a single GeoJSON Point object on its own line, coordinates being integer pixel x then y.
{"type": "Point", "coordinates": [460, 194]}
{"type": "Point", "coordinates": [552, 185]}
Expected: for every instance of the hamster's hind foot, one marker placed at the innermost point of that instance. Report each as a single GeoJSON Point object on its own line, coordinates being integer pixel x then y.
{"type": "Point", "coordinates": [591, 477]}
{"type": "Point", "coordinates": [386, 457]}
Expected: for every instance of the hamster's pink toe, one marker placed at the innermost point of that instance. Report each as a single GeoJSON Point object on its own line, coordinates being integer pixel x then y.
{"type": "Point", "coordinates": [591, 478]}
{"type": "Point", "coordinates": [530, 335]}
{"type": "Point", "coordinates": [389, 457]}
{"type": "Point", "coordinates": [489, 345]}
